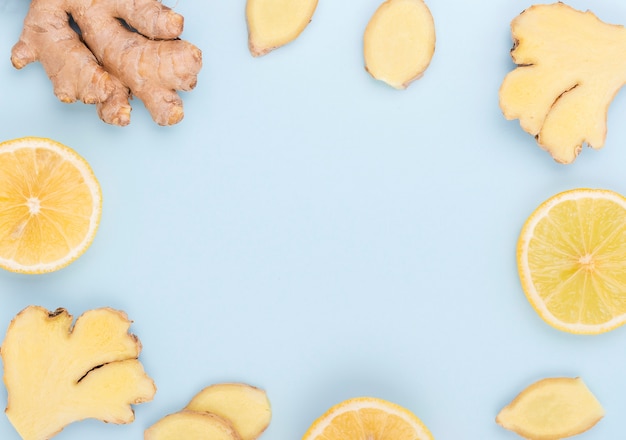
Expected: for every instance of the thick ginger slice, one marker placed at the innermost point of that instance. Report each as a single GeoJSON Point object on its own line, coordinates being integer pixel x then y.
{"type": "Point", "coordinates": [552, 409]}
{"type": "Point", "coordinates": [274, 23]}
{"type": "Point", "coordinates": [125, 48]}
{"type": "Point", "coordinates": [245, 406]}
{"type": "Point", "coordinates": [225, 411]}
{"type": "Point", "coordinates": [570, 67]}
{"type": "Point", "coordinates": [191, 425]}
{"type": "Point", "coordinates": [56, 373]}
{"type": "Point", "coordinates": [399, 42]}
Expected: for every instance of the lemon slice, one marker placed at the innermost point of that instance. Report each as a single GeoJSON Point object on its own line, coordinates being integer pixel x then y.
{"type": "Point", "coordinates": [552, 409]}
{"type": "Point", "coordinates": [50, 205]}
{"type": "Point", "coordinates": [571, 257]}
{"type": "Point", "coordinates": [368, 418]}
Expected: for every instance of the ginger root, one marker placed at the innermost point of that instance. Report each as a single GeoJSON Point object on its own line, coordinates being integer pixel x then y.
{"type": "Point", "coordinates": [274, 23]}
{"type": "Point", "coordinates": [399, 42]}
{"type": "Point", "coordinates": [191, 425]}
{"type": "Point", "coordinates": [225, 411]}
{"type": "Point", "coordinates": [570, 66]}
{"type": "Point", "coordinates": [552, 409]}
{"type": "Point", "coordinates": [121, 49]}
{"type": "Point", "coordinates": [56, 374]}
{"type": "Point", "coordinates": [247, 407]}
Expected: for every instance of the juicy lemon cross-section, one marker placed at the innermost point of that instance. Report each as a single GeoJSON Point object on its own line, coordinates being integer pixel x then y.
{"type": "Point", "coordinates": [50, 205]}
{"type": "Point", "coordinates": [571, 257]}
{"type": "Point", "coordinates": [368, 418]}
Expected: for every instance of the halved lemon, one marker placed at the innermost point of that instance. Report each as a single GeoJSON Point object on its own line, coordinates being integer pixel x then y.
{"type": "Point", "coordinates": [571, 258]}
{"type": "Point", "coordinates": [368, 418]}
{"type": "Point", "coordinates": [50, 205]}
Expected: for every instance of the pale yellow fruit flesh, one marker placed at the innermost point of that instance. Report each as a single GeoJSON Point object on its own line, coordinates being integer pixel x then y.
{"type": "Point", "coordinates": [572, 260]}
{"type": "Point", "coordinates": [368, 418]}
{"type": "Point", "coordinates": [56, 375]}
{"type": "Point", "coordinates": [245, 406]}
{"type": "Point", "coordinates": [274, 23]}
{"type": "Point", "coordinates": [399, 42]}
{"type": "Point", "coordinates": [552, 409]}
{"type": "Point", "coordinates": [191, 425]}
{"type": "Point", "coordinates": [50, 205]}
{"type": "Point", "coordinates": [570, 67]}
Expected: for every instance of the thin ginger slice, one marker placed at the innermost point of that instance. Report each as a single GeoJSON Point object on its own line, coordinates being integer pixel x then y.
{"type": "Point", "coordinates": [245, 406]}
{"type": "Point", "coordinates": [570, 67]}
{"type": "Point", "coordinates": [56, 374]}
{"type": "Point", "coordinates": [399, 42]}
{"type": "Point", "coordinates": [552, 409]}
{"type": "Point", "coordinates": [124, 49]}
{"type": "Point", "coordinates": [274, 23]}
{"type": "Point", "coordinates": [191, 425]}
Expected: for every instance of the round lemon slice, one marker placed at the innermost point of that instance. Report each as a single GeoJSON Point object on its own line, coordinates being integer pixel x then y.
{"type": "Point", "coordinates": [50, 205]}
{"type": "Point", "coordinates": [368, 418]}
{"type": "Point", "coordinates": [571, 258]}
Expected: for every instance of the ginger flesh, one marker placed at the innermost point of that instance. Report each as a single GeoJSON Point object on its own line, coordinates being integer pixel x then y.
{"type": "Point", "coordinates": [246, 406]}
{"type": "Point", "coordinates": [56, 374]}
{"type": "Point", "coordinates": [274, 23]}
{"type": "Point", "coordinates": [238, 411]}
{"type": "Point", "coordinates": [122, 49]}
{"type": "Point", "coordinates": [399, 42]}
{"type": "Point", "coordinates": [191, 425]}
{"type": "Point", "coordinates": [552, 409]}
{"type": "Point", "coordinates": [570, 66]}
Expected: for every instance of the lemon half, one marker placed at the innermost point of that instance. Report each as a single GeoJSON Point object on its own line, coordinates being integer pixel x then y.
{"type": "Point", "coordinates": [50, 205]}
{"type": "Point", "coordinates": [571, 258]}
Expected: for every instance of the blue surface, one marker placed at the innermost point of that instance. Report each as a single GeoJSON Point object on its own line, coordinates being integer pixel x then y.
{"type": "Point", "coordinates": [311, 231]}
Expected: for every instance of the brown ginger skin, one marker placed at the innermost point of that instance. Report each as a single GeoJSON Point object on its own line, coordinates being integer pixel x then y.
{"type": "Point", "coordinates": [112, 60]}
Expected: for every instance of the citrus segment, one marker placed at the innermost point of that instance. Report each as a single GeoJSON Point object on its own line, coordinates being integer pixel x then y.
{"type": "Point", "coordinates": [571, 257]}
{"type": "Point", "coordinates": [50, 205]}
{"type": "Point", "coordinates": [552, 409]}
{"type": "Point", "coordinates": [368, 418]}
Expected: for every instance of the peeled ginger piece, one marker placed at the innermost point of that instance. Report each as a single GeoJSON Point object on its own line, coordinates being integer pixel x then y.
{"type": "Point", "coordinates": [399, 42]}
{"type": "Point", "coordinates": [191, 425]}
{"type": "Point", "coordinates": [247, 407]}
{"type": "Point", "coordinates": [57, 371]}
{"type": "Point", "coordinates": [274, 23]}
{"type": "Point", "coordinates": [237, 411]}
{"type": "Point", "coordinates": [569, 68]}
{"type": "Point", "coordinates": [552, 409]}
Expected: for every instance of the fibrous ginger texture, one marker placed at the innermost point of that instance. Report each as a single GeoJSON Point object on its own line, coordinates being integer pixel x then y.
{"type": "Point", "coordinates": [191, 425]}
{"type": "Point", "coordinates": [570, 66]}
{"type": "Point", "coordinates": [122, 49]}
{"type": "Point", "coordinates": [552, 409]}
{"type": "Point", "coordinates": [57, 373]}
{"type": "Point", "coordinates": [274, 23]}
{"type": "Point", "coordinates": [399, 42]}
{"type": "Point", "coordinates": [246, 407]}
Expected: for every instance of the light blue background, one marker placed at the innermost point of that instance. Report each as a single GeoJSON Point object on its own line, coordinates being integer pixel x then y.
{"type": "Point", "coordinates": [313, 232]}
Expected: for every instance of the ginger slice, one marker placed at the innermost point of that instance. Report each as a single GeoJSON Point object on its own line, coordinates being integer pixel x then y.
{"type": "Point", "coordinates": [399, 42]}
{"type": "Point", "coordinates": [56, 374]}
{"type": "Point", "coordinates": [274, 23]}
{"type": "Point", "coordinates": [570, 67]}
{"type": "Point", "coordinates": [191, 425]}
{"type": "Point", "coordinates": [552, 409]}
{"type": "Point", "coordinates": [247, 407]}
{"type": "Point", "coordinates": [121, 49]}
